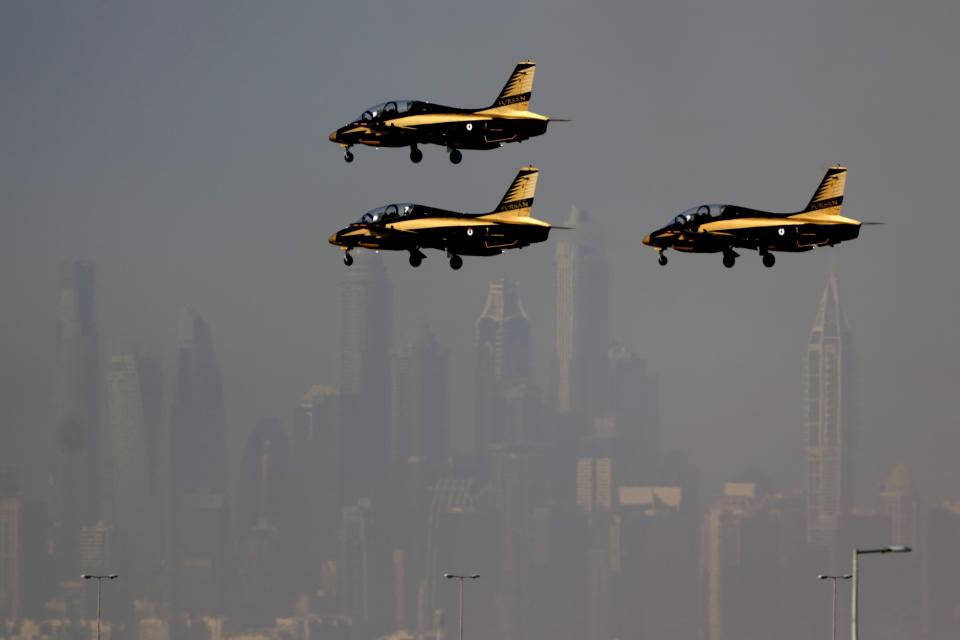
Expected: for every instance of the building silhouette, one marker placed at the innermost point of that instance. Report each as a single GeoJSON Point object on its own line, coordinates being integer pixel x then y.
{"type": "Point", "coordinates": [366, 335]}
{"type": "Point", "coordinates": [198, 510]}
{"type": "Point", "coordinates": [11, 543]}
{"type": "Point", "coordinates": [504, 363]}
{"type": "Point", "coordinates": [75, 480]}
{"type": "Point", "coordinates": [829, 419]}
{"type": "Point", "coordinates": [419, 400]}
{"type": "Point", "coordinates": [134, 415]}
{"type": "Point", "coordinates": [583, 321]}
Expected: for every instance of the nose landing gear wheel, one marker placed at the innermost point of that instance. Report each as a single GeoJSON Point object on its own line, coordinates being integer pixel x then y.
{"type": "Point", "coordinates": [662, 260]}
{"type": "Point", "coordinates": [729, 259]}
{"type": "Point", "coordinates": [347, 259]}
{"type": "Point", "coordinates": [415, 154]}
{"type": "Point", "coordinates": [348, 155]}
{"type": "Point", "coordinates": [768, 260]}
{"type": "Point", "coordinates": [415, 260]}
{"type": "Point", "coordinates": [455, 156]}
{"type": "Point", "coordinates": [456, 262]}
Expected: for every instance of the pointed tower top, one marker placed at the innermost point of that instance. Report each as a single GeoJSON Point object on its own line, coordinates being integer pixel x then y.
{"type": "Point", "coordinates": [898, 483]}
{"type": "Point", "coordinates": [830, 320]}
{"type": "Point", "coordinates": [503, 301]}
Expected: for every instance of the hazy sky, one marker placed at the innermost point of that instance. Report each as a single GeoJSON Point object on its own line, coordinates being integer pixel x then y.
{"type": "Point", "coordinates": [182, 146]}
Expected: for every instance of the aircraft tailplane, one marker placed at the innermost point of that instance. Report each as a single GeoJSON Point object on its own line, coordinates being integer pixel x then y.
{"type": "Point", "coordinates": [515, 95]}
{"type": "Point", "coordinates": [517, 202]}
{"type": "Point", "coordinates": [828, 198]}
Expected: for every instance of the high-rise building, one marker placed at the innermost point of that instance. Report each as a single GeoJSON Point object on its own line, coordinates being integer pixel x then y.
{"type": "Point", "coordinates": [134, 399]}
{"type": "Point", "coordinates": [198, 473]}
{"type": "Point", "coordinates": [262, 516]}
{"type": "Point", "coordinates": [583, 320]}
{"type": "Point", "coordinates": [420, 419]}
{"type": "Point", "coordinates": [504, 362]}
{"type": "Point", "coordinates": [75, 474]}
{"type": "Point", "coordinates": [829, 419]}
{"type": "Point", "coordinates": [635, 409]}
{"type": "Point", "coordinates": [317, 468]}
{"type": "Point", "coordinates": [366, 335]}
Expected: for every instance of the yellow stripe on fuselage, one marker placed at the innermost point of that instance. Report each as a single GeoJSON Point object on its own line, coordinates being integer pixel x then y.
{"type": "Point", "coordinates": [445, 118]}
{"type": "Point", "coordinates": [419, 224]}
{"type": "Point", "coordinates": [735, 224]}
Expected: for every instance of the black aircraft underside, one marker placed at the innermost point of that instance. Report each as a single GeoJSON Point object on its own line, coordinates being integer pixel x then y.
{"type": "Point", "coordinates": [479, 135]}
{"type": "Point", "coordinates": [482, 240]}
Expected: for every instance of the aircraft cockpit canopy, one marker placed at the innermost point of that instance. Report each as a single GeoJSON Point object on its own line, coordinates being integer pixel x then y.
{"type": "Point", "coordinates": [386, 110]}
{"type": "Point", "coordinates": [387, 213]}
{"type": "Point", "coordinates": [704, 211]}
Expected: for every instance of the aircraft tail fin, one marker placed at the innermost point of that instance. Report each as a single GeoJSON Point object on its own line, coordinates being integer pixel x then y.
{"type": "Point", "coordinates": [828, 198]}
{"type": "Point", "coordinates": [517, 202]}
{"type": "Point", "coordinates": [516, 93]}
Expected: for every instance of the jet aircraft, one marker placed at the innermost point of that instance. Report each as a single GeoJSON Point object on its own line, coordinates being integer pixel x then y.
{"type": "Point", "coordinates": [407, 123]}
{"type": "Point", "coordinates": [723, 228]}
{"type": "Point", "coordinates": [412, 227]}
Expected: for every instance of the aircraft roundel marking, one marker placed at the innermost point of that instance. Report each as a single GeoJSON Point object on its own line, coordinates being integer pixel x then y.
{"type": "Point", "coordinates": [469, 126]}
{"type": "Point", "coordinates": [469, 232]}
{"type": "Point", "coordinates": [781, 231]}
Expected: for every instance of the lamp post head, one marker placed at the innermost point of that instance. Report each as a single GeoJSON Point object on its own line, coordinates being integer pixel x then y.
{"type": "Point", "coordinates": [475, 576]}
{"type": "Point", "coordinates": [847, 576]}
{"type": "Point", "coordinates": [113, 576]}
{"type": "Point", "coordinates": [822, 577]}
{"type": "Point", "coordinates": [448, 575]}
{"type": "Point", "coordinates": [898, 548]}
{"type": "Point", "coordinates": [85, 576]}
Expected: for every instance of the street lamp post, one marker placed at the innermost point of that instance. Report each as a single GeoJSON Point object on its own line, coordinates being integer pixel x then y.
{"type": "Point", "coordinates": [855, 588]}
{"type": "Point", "coordinates": [451, 576]}
{"type": "Point", "coordinates": [99, 579]}
{"type": "Point", "coordinates": [845, 576]}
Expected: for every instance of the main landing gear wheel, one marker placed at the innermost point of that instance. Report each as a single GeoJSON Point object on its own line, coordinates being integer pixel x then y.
{"type": "Point", "coordinates": [415, 260]}
{"type": "Point", "coordinates": [662, 260]}
{"type": "Point", "coordinates": [348, 155]}
{"type": "Point", "coordinates": [729, 259]}
{"type": "Point", "coordinates": [455, 262]}
{"type": "Point", "coordinates": [455, 156]}
{"type": "Point", "coordinates": [347, 258]}
{"type": "Point", "coordinates": [769, 260]}
{"type": "Point", "coordinates": [415, 154]}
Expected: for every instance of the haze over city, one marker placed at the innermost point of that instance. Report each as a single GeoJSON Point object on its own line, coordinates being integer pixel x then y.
{"type": "Point", "coordinates": [180, 152]}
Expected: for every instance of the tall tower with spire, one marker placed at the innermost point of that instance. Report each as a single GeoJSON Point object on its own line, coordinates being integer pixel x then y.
{"type": "Point", "coordinates": [75, 474]}
{"type": "Point", "coordinates": [504, 359]}
{"type": "Point", "coordinates": [583, 320]}
{"type": "Point", "coordinates": [829, 419]}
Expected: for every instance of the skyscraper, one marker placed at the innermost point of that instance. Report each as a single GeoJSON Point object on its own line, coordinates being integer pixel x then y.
{"type": "Point", "coordinates": [366, 334]}
{"type": "Point", "coordinates": [583, 320]}
{"type": "Point", "coordinates": [829, 419]}
{"type": "Point", "coordinates": [504, 360]}
{"type": "Point", "coordinates": [198, 472]}
{"type": "Point", "coordinates": [420, 420]}
{"type": "Point", "coordinates": [134, 397]}
{"type": "Point", "coordinates": [75, 473]}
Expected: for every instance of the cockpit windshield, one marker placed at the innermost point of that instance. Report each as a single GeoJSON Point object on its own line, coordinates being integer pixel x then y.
{"type": "Point", "coordinates": [700, 213]}
{"type": "Point", "coordinates": [386, 110]}
{"type": "Point", "coordinates": [387, 213]}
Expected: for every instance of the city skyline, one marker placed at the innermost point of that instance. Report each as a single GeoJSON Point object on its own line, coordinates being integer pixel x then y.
{"type": "Point", "coordinates": [619, 450]}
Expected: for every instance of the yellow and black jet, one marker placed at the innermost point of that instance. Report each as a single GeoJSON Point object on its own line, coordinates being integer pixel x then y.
{"type": "Point", "coordinates": [407, 123]}
{"type": "Point", "coordinates": [413, 227]}
{"type": "Point", "coordinates": [723, 228]}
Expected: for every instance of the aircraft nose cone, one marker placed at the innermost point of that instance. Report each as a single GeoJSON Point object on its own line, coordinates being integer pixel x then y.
{"type": "Point", "coordinates": [333, 238]}
{"type": "Point", "coordinates": [647, 241]}
{"type": "Point", "coordinates": [333, 136]}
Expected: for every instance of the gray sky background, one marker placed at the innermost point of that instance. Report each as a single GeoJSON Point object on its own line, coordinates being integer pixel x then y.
{"type": "Point", "coordinates": [182, 145]}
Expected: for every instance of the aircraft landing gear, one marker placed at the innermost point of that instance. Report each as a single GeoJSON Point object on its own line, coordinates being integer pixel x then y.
{"type": "Point", "coordinates": [455, 261]}
{"type": "Point", "coordinates": [348, 155]}
{"type": "Point", "coordinates": [455, 155]}
{"type": "Point", "coordinates": [416, 258]}
{"type": "Point", "coordinates": [662, 259]}
{"type": "Point", "coordinates": [415, 154]}
{"type": "Point", "coordinates": [347, 258]}
{"type": "Point", "coordinates": [729, 257]}
{"type": "Point", "coordinates": [769, 260]}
